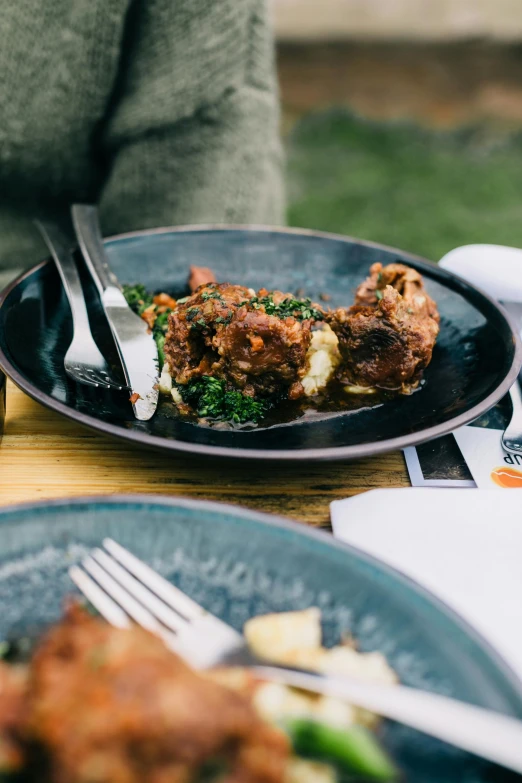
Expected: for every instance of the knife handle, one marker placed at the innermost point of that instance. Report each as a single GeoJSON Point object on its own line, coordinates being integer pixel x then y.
{"type": "Point", "coordinates": [88, 234]}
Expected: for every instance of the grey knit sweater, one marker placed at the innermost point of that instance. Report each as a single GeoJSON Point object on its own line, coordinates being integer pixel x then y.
{"type": "Point", "coordinates": [163, 111]}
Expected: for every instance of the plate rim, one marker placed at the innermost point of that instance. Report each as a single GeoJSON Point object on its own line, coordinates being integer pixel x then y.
{"type": "Point", "coordinates": [299, 529]}
{"type": "Point", "coordinates": [329, 454]}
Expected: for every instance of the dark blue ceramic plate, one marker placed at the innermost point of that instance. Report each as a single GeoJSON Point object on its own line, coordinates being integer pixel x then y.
{"type": "Point", "coordinates": [475, 361]}
{"type": "Point", "coordinates": [239, 563]}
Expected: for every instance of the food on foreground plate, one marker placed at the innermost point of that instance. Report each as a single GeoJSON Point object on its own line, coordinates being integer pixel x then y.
{"type": "Point", "coordinates": [294, 639]}
{"type": "Point", "coordinates": [103, 705]}
{"type": "Point", "coordinates": [234, 354]}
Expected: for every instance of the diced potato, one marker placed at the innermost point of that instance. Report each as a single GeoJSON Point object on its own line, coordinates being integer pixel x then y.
{"type": "Point", "coordinates": [271, 636]}
{"type": "Point", "coordinates": [372, 667]}
{"type": "Point", "coordinates": [276, 702]}
{"type": "Point", "coordinates": [345, 661]}
{"type": "Point", "coordinates": [309, 658]}
{"type": "Point", "coordinates": [294, 639]}
{"type": "Point", "coordinates": [303, 771]}
{"type": "Point", "coordinates": [335, 712]}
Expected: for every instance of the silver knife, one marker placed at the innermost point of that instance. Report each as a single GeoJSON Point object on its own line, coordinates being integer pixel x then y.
{"type": "Point", "coordinates": [135, 343]}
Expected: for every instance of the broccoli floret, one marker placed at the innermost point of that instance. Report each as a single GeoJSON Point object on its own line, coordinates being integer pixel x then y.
{"type": "Point", "coordinates": [210, 399]}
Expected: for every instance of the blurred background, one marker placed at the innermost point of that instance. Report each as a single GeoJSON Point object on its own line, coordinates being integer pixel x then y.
{"type": "Point", "coordinates": [403, 119]}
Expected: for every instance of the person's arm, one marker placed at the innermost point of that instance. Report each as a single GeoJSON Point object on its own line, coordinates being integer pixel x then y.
{"type": "Point", "coordinates": [193, 133]}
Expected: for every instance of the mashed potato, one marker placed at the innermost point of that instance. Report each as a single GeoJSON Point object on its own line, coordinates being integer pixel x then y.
{"type": "Point", "coordinates": [165, 381]}
{"type": "Point", "coordinates": [323, 358]}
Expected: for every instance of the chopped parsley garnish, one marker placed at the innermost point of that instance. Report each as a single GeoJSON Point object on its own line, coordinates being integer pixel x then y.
{"type": "Point", "coordinates": [301, 309]}
{"type": "Point", "coordinates": [139, 300]}
{"type": "Point", "coordinates": [206, 295]}
{"type": "Point", "coordinates": [210, 398]}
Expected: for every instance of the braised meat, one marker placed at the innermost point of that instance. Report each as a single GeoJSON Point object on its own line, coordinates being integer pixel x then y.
{"type": "Point", "coordinates": [257, 344]}
{"type": "Point", "coordinates": [232, 354]}
{"type": "Point", "coordinates": [194, 324]}
{"type": "Point", "coordinates": [406, 280]}
{"type": "Point", "coordinates": [262, 353]}
{"type": "Point", "coordinates": [386, 339]}
{"type": "Point", "coordinates": [115, 706]}
{"type": "Point", "coordinates": [13, 680]}
{"type": "Point", "coordinates": [200, 275]}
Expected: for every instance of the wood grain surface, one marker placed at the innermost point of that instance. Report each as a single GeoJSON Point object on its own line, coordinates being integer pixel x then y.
{"type": "Point", "coordinates": [44, 455]}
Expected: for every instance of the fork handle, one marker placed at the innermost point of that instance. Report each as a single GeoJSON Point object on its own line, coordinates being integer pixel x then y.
{"type": "Point", "coordinates": [60, 249]}
{"type": "Point", "coordinates": [485, 733]}
{"type": "Point", "coordinates": [88, 234]}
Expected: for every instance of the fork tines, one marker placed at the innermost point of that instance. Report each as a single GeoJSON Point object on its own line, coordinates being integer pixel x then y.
{"type": "Point", "coordinates": [120, 586]}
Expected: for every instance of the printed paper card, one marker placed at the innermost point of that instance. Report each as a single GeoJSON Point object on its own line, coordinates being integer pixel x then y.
{"type": "Point", "coordinates": [490, 466]}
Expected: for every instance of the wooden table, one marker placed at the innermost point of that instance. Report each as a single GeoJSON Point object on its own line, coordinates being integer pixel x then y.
{"type": "Point", "coordinates": [44, 455]}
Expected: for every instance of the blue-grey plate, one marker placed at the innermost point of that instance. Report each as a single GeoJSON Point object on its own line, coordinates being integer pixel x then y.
{"type": "Point", "coordinates": [240, 563]}
{"type": "Point", "coordinates": [474, 363]}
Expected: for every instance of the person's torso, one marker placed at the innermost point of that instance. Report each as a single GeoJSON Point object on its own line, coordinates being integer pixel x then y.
{"type": "Point", "coordinates": [58, 66]}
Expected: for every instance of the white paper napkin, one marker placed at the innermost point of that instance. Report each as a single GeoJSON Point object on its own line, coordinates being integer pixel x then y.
{"type": "Point", "coordinates": [465, 547]}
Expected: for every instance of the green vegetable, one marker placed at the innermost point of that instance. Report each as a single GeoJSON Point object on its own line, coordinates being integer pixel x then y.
{"type": "Point", "coordinates": [298, 308]}
{"type": "Point", "coordinates": [354, 750]}
{"type": "Point", "coordinates": [210, 399]}
{"type": "Point", "coordinates": [139, 299]}
{"type": "Point", "coordinates": [379, 295]}
{"type": "Point", "coordinates": [206, 295]}
{"type": "Point", "coordinates": [4, 649]}
{"type": "Point", "coordinates": [212, 771]}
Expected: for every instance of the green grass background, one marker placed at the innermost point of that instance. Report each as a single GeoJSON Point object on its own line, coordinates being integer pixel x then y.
{"type": "Point", "coordinates": [426, 192]}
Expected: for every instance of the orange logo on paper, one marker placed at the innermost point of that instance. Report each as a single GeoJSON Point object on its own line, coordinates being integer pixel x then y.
{"type": "Point", "coordinates": [507, 478]}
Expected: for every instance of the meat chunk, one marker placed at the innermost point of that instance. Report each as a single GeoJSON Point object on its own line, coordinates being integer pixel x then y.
{"type": "Point", "coordinates": [386, 339]}
{"type": "Point", "coordinates": [404, 279]}
{"type": "Point", "coordinates": [193, 325]}
{"type": "Point", "coordinates": [13, 682]}
{"type": "Point", "coordinates": [200, 275]}
{"type": "Point", "coordinates": [115, 706]}
{"type": "Point", "coordinates": [224, 331]}
{"type": "Point", "coordinates": [262, 353]}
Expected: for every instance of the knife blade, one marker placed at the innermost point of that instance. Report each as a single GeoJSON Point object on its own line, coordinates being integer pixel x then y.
{"type": "Point", "coordinates": [135, 343]}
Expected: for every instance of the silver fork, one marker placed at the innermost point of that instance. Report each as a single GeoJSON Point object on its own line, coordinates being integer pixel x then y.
{"type": "Point", "coordinates": [121, 587]}
{"type": "Point", "coordinates": [512, 437]}
{"type": "Point", "coordinates": [83, 362]}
